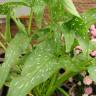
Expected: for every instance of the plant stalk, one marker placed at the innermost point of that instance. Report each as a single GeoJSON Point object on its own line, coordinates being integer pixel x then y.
{"type": "Point", "coordinates": [1, 44]}
{"type": "Point", "coordinates": [60, 80]}
{"type": "Point", "coordinates": [30, 23]}
{"type": "Point", "coordinates": [63, 91]}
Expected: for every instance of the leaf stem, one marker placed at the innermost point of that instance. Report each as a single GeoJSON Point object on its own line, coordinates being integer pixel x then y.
{"type": "Point", "coordinates": [7, 32]}
{"type": "Point", "coordinates": [51, 84]}
{"type": "Point", "coordinates": [60, 80]}
{"type": "Point", "coordinates": [63, 91]}
{"type": "Point", "coordinates": [2, 36]}
{"type": "Point", "coordinates": [2, 45]}
{"type": "Point", "coordinates": [20, 26]}
{"type": "Point", "coordinates": [30, 22]}
{"type": "Point", "coordinates": [64, 77]}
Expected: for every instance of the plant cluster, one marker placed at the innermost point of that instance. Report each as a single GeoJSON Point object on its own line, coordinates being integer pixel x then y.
{"type": "Point", "coordinates": [63, 43]}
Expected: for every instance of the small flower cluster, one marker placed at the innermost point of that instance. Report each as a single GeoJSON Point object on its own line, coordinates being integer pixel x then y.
{"type": "Point", "coordinates": [93, 32]}
{"type": "Point", "coordinates": [93, 39]}
{"type": "Point", "coordinates": [86, 79]}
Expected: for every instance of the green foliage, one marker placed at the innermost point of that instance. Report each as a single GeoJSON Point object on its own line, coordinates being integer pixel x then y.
{"type": "Point", "coordinates": [4, 9]}
{"type": "Point", "coordinates": [75, 29]}
{"type": "Point", "coordinates": [57, 11]}
{"type": "Point", "coordinates": [68, 4]}
{"type": "Point", "coordinates": [69, 37]}
{"type": "Point", "coordinates": [34, 68]}
{"type": "Point", "coordinates": [92, 72]}
{"type": "Point", "coordinates": [38, 67]}
{"type": "Point", "coordinates": [14, 50]}
{"type": "Point", "coordinates": [89, 17]}
{"type": "Point", "coordinates": [20, 26]}
{"type": "Point", "coordinates": [38, 10]}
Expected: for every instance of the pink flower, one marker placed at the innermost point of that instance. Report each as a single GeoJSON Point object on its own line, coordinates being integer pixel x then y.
{"type": "Point", "coordinates": [87, 80]}
{"type": "Point", "coordinates": [93, 30]}
{"type": "Point", "coordinates": [93, 33]}
{"type": "Point", "coordinates": [92, 27]}
{"type": "Point", "coordinates": [78, 47]}
{"type": "Point", "coordinates": [93, 53]}
{"type": "Point", "coordinates": [88, 90]}
{"type": "Point", "coordinates": [93, 40]}
{"type": "Point", "coordinates": [85, 95]}
{"type": "Point", "coordinates": [77, 50]}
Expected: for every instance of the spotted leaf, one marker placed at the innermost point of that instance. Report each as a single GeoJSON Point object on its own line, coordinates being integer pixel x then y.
{"type": "Point", "coordinates": [14, 50]}
{"type": "Point", "coordinates": [38, 10]}
{"type": "Point", "coordinates": [89, 17]}
{"type": "Point", "coordinates": [79, 28]}
{"type": "Point", "coordinates": [39, 66]}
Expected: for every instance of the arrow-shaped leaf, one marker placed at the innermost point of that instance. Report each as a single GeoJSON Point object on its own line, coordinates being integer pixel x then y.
{"type": "Point", "coordinates": [69, 36]}
{"type": "Point", "coordinates": [68, 4]}
{"type": "Point", "coordinates": [78, 27]}
{"type": "Point", "coordinates": [39, 66]}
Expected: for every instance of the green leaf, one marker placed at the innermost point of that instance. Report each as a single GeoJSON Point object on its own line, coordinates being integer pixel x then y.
{"type": "Point", "coordinates": [20, 26]}
{"type": "Point", "coordinates": [57, 12]}
{"type": "Point", "coordinates": [39, 66]}
{"type": "Point", "coordinates": [4, 9]}
{"type": "Point", "coordinates": [14, 50]}
{"type": "Point", "coordinates": [57, 42]}
{"type": "Point", "coordinates": [12, 3]}
{"type": "Point", "coordinates": [69, 36]}
{"type": "Point", "coordinates": [89, 17]}
{"type": "Point", "coordinates": [68, 4]}
{"type": "Point", "coordinates": [38, 10]}
{"type": "Point", "coordinates": [92, 72]}
{"type": "Point", "coordinates": [56, 39]}
{"type": "Point", "coordinates": [80, 29]}
{"type": "Point", "coordinates": [5, 6]}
